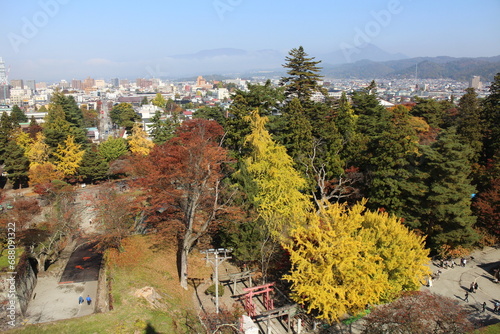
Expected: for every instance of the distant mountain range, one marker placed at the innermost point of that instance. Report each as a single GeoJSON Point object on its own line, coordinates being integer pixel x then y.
{"type": "Point", "coordinates": [364, 62]}
{"type": "Point", "coordinates": [460, 69]}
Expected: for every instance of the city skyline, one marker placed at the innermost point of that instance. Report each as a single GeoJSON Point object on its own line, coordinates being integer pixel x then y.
{"type": "Point", "coordinates": [50, 40]}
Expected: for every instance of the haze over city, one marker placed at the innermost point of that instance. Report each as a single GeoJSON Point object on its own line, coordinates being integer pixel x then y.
{"type": "Point", "coordinates": [50, 40]}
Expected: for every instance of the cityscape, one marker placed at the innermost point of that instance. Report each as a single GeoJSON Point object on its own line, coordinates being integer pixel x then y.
{"type": "Point", "coordinates": [30, 95]}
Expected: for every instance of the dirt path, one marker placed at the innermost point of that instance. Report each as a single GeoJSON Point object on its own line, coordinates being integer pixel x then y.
{"type": "Point", "coordinates": [54, 301]}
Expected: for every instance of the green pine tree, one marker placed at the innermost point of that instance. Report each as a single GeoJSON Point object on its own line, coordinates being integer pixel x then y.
{"type": "Point", "coordinates": [93, 166]}
{"type": "Point", "coordinates": [18, 115]}
{"type": "Point", "coordinates": [470, 122]}
{"type": "Point", "coordinates": [303, 75]}
{"type": "Point", "coordinates": [447, 215]}
{"type": "Point", "coordinates": [73, 114]}
{"type": "Point", "coordinates": [16, 164]}
{"type": "Point", "coordinates": [113, 148]}
{"type": "Point", "coordinates": [296, 134]}
{"type": "Point", "coordinates": [163, 127]}
{"type": "Point", "coordinates": [390, 166]}
{"type": "Point", "coordinates": [7, 127]}
{"type": "Point", "coordinates": [491, 115]}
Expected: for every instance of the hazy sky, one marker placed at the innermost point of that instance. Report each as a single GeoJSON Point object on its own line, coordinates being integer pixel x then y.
{"type": "Point", "coordinates": [49, 40]}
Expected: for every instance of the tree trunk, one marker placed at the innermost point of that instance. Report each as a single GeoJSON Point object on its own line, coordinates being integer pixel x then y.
{"type": "Point", "coordinates": [183, 268]}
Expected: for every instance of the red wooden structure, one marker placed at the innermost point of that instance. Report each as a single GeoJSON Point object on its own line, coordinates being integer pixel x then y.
{"type": "Point", "coordinates": [255, 291]}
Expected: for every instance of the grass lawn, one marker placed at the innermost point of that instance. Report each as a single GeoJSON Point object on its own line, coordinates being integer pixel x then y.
{"type": "Point", "coordinates": [493, 329]}
{"type": "Point", "coordinates": [142, 263]}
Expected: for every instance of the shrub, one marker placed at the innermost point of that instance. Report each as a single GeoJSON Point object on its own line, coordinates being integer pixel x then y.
{"type": "Point", "coordinates": [211, 290]}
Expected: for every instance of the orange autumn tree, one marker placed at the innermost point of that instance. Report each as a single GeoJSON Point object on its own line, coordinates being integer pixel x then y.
{"type": "Point", "coordinates": [183, 182]}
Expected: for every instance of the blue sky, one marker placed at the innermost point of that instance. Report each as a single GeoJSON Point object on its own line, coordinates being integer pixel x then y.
{"type": "Point", "coordinates": [65, 39]}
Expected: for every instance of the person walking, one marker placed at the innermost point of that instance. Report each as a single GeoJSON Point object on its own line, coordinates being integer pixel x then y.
{"type": "Point", "coordinates": [80, 300]}
{"type": "Point", "coordinates": [89, 300]}
{"type": "Point", "coordinates": [484, 307]}
{"type": "Point", "coordinates": [475, 286]}
{"type": "Point", "coordinates": [466, 299]}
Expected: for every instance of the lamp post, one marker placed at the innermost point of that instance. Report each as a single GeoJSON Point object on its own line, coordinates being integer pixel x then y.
{"type": "Point", "coordinates": [219, 256]}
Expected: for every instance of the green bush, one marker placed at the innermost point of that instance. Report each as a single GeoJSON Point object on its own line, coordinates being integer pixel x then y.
{"type": "Point", "coordinates": [211, 290]}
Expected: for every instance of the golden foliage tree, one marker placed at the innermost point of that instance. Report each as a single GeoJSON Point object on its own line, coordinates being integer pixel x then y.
{"type": "Point", "coordinates": [402, 251]}
{"type": "Point", "coordinates": [139, 142]}
{"type": "Point", "coordinates": [340, 264]}
{"type": "Point", "coordinates": [68, 156]}
{"type": "Point", "coordinates": [22, 139]}
{"type": "Point", "coordinates": [38, 151]}
{"type": "Point", "coordinates": [44, 173]}
{"type": "Point", "coordinates": [272, 182]}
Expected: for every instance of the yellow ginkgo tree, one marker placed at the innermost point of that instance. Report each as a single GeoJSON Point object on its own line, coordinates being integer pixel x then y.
{"type": "Point", "coordinates": [68, 156]}
{"type": "Point", "coordinates": [138, 141]}
{"type": "Point", "coordinates": [38, 152]}
{"type": "Point", "coordinates": [346, 258]}
{"type": "Point", "coordinates": [273, 184]}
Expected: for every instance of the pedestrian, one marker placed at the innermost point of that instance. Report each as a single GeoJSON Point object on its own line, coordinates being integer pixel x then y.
{"type": "Point", "coordinates": [465, 262]}
{"type": "Point", "coordinates": [90, 221]}
{"type": "Point", "coordinates": [80, 300]}
{"type": "Point", "coordinates": [495, 307]}
{"type": "Point", "coordinates": [471, 289]}
{"type": "Point", "coordinates": [484, 307]}
{"type": "Point", "coordinates": [430, 282]}
{"type": "Point", "coordinates": [475, 286]}
{"type": "Point", "coordinates": [466, 299]}
{"type": "Point", "coordinates": [89, 300]}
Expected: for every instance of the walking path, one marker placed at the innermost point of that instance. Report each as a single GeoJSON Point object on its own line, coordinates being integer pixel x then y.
{"type": "Point", "coordinates": [53, 300]}
{"type": "Point", "coordinates": [455, 282]}
{"type": "Point", "coordinates": [452, 283]}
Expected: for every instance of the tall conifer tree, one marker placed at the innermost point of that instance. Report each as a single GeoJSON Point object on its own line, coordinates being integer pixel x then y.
{"type": "Point", "coordinates": [447, 217]}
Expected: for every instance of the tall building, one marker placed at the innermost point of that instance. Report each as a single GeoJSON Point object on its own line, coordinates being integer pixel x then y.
{"type": "Point", "coordinates": [4, 83]}
{"type": "Point", "coordinates": [64, 84]}
{"type": "Point", "coordinates": [4, 93]}
{"type": "Point", "coordinates": [99, 83]}
{"type": "Point", "coordinates": [115, 82]}
{"type": "Point", "coordinates": [31, 84]}
{"type": "Point", "coordinates": [76, 84]}
{"type": "Point", "coordinates": [124, 83]}
{"type": "Point", "coordinates": [3, 73]}
{"type": "Point", "coordinates": [475, 82]}
{"type": "Point", "coordinates": [88, 83]}
{"type": "Point", "coordinates": [17, 83]}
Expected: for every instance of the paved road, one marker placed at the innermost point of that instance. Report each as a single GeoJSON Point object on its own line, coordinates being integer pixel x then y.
{"type": "Point", "coordinates": [83, 265]}
{"type": "Point", "coordinates": [54, 301]}
{"type": "Point", "coordinates": [454, 282]}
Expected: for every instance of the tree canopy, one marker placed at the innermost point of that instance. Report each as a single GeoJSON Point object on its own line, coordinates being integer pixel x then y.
{"type": "Point", "coordinates": [346, 258]}
{"type": "Point", "coordinates": [183, 178]}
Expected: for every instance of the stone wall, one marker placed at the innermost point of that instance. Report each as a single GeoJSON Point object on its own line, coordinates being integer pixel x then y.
{"type": "Point", "coordinates": [16, 290]}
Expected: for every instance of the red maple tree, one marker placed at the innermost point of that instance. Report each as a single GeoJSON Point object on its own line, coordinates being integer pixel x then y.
{"type": "Point", "coordinates": [183, 182]}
